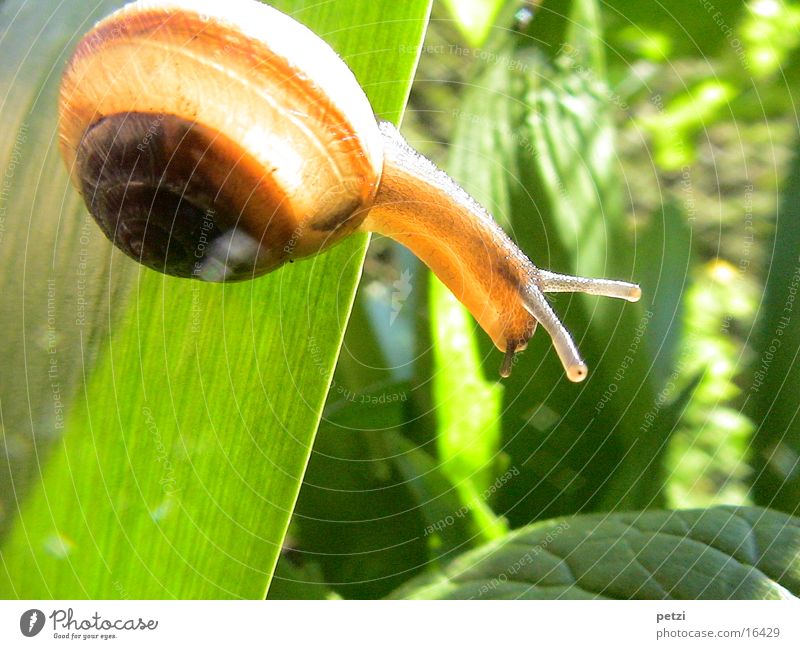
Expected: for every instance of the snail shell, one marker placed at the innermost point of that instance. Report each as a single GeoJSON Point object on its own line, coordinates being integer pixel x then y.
{"type": "Point", "coordinates": [226, 116]}
{"type": "Point", "coordinates": [220, 140]}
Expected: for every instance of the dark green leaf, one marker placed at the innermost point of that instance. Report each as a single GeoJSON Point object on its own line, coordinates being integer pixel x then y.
{"type": "Point", "coordinates": [719, 553]}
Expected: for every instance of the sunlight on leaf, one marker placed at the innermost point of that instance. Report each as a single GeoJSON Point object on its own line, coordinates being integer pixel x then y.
{"type": "Point", "coordinates": [674, 129]}
{"type": "Point", "coordinates": [474, 18]}
{"type": "Point", "coordinates": [770, 31]}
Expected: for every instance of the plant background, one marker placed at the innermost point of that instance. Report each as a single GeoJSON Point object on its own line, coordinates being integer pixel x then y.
{"type": "Point", "coordinates": [169, 440]}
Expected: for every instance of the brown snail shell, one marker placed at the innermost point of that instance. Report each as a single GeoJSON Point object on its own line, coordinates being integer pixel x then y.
{"type": "Point", "coordinates": [230, 116]}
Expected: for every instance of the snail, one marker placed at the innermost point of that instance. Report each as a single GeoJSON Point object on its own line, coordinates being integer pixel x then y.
{"type": "Point", "coordinates": [219, 140]}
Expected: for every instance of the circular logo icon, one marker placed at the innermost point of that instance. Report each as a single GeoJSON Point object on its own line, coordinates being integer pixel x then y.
{"type": "Point", "coordinates": [31, 622]}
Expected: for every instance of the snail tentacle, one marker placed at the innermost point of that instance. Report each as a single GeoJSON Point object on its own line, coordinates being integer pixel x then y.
{"type": "Point", "coordinates": [536, 303]}
{"type": "Point", "coordinates": [550, 282]}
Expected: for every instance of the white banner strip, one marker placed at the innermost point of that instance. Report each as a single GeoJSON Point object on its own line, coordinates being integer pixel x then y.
{"type": "Point", "coordinates": [154, 624]}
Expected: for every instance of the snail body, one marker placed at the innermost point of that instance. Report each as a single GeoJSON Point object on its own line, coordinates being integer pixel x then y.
{"type": "Point", "coordinates": [220, 140]}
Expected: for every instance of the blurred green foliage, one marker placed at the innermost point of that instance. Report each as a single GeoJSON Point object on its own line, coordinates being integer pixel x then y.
{"type": "Point", "coordinates": [612, 139]}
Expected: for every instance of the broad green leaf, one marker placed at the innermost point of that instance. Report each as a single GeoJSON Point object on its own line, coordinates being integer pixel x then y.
{"type": "Point", "coordinates": [182, 455]}
{"type": "Point", "coordinates": [718, 553]}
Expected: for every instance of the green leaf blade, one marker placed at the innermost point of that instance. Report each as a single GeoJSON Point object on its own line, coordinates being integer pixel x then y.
{"type": "Point", "coordinates": [183, 455]}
